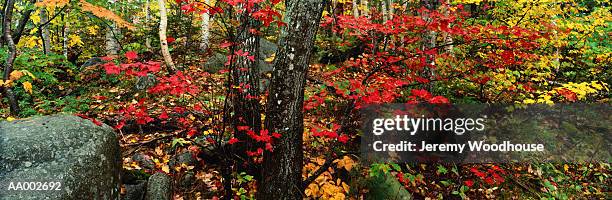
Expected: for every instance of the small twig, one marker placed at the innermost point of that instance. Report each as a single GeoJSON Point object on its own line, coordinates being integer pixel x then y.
{"type": "Point", "coordinates": [140, 144]}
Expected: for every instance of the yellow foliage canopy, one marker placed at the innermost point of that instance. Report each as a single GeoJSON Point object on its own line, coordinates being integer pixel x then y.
{"type": "Point", "coordinates": [52, 3]}
{"type": "Point", "coordinates": [105, 13]}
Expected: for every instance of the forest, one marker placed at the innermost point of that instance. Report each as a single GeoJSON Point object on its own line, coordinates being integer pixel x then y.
{"type": "Point", "coordinates": [263, 99]}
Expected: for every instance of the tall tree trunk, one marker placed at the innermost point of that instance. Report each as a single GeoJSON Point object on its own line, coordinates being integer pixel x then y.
{"type": "Point", "coordinates": [355, 9]}
{"type": "Point", "coordinates": [25, 17]}
{"type": "Point", "coordinates": [147, 21]}
{"type": "Point", "coordinates": [245, 75]}
{"type": "Point", "coordinates": [282, 168]}
{"type": "Point", "coordinates": [163, 23]}
{"type": "Point", "coordinates": [44, 34]}
{"type": "Point", "coordinates": [383, 9]}
{"type": "Point", "coordinates": [64, 37]}
{"type": "Point", "coordinates": [366, 8]}
{"type": "Point", "coordinates": [391, 9]}
{"type": "Point", "coordinates": [112, 45]}
{"type": "Point", "coordinates": [205, 26]}
{"type": "Point", "coordinates": [448, 39]}
{"type": "Point", "coordinates": [429, 38]}
{"type": "Point", "coordinates": [8, 66]}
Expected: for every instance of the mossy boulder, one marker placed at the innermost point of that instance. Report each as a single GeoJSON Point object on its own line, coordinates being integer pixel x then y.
{"type": "Point", "coordinates": [84, 157]}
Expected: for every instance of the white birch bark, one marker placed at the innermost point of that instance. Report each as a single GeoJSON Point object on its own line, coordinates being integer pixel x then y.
{"type": "Point", "coordinates": [163, 24]}
{"type": "Point", "coordinates": [205, 26]}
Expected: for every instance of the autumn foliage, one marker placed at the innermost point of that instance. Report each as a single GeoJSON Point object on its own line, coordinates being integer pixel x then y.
{"type": "Point", "coordinates": [365, 52]}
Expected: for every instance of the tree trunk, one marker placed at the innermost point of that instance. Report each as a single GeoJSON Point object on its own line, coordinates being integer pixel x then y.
{"type": "Point", "coordinates": [391, 9]}
{"type": "Point", "coordinates": [383, 9]}
{"type": "Point", "coordinates": [245, 78]}
{"type": "Point", "coordinates": [163, 23]}
{"type": "Point", "coordinates": [44, 34]}
{"type": "Point", "coordinates": [430, 38]}
{"type": "Point", "coordinates": [366, 8]}
{"type": "Point", "coordinates": [448, 39]}
{"type": "Point", "coordinates": [355, 9]}
{"type": "Point", "coordinates": [25, 17]}
{"type": "Point", "coordinates": [112, 45]}
{"type": "Point", "coordinates": [8, 66]}
{"type": "Point", "coordinates": [205, 26]}
{"type": "Point", "coordinates": [64, 37]}
{"type": "Point", "coordinates": [147, 21]}
{"type": "Point", "coordinates": [282, 168]}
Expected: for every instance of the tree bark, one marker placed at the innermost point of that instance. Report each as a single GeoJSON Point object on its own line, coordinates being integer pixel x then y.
{"type": "Point", "coordinates": [22, 23]}
{"type": "Point", "coordinates": [205, 26]}
{"type": "Point", "coordinates": [147, 21]}
{"type": "Point", "coordinates": [44, 34]}
{"type": "Point", "coordinates": [355, 9]}
{"type": "Point", "coordinates": [366, 8]}
{"type": "Point", "coordinates": [64, 37]}
{"type": "Point", "coordinates": [282, 168]}
{"type": "Point", "coordinates": [163, 24]}
{"type": "Point", "coordinates": [245, 94]}
{"type": "Point", "coordinates": [383, 9]}
{"type": "Point", "coordinates": [112, 45]}
{"type": "Point", "coordinates": [8, 65]}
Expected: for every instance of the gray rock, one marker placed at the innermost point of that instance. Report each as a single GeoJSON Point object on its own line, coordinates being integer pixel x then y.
{"type": "Point", "coordinates": [145, 82]}
{"type": "Point", "coordinates": [83, 157]}
{"type": "Point", "coordinates": [386, 186]}
{"type": "Point", "coordinates": [92, 61]}
{"type": "Point", "coordinates": [183, 158]}
{"type": "Point", "coordinates": [135, 191]}
{"type": "Point", "coordinates": [187, 179]}
{"type": "Point", "coordinates": [266, 50]}
{"type": "Point", "coordinates": [159, 187]}
{"type": "Point", "coordinates": [143, 160]}
{"type": "Point", "coordinates": [215, 63]}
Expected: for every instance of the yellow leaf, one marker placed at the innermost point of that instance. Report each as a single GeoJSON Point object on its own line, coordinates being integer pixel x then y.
{"type": "Point", "coordinates": [165, 168]}
{"type": "Point", "coordinates": [271, 58]}
{"type": "Point", "coordinates": [75, 40]}
{"type": "Point", "coordinates": [26, 72]}
{"type": "Point", "coordinates": [92, 30]}
{"type": "Point", "coordinates": [10, 119]}
{"type": "Point", "coordinates": [15, 75]}
{"type": "Point", "coordinates": [27, 86]}
{"type": "Point", "coordinates": [35, 18]}
{"type": "Point", "coordinates": [345, 187]}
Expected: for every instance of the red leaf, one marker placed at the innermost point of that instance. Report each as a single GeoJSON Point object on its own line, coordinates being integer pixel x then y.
{"type": "Point", "coordinates": [243, 128]}
{"type": "Point", "coordinates": [163, 116]}
{"type": "Point", "coordinates": [191, 132]}
{"type": "Point", "coordinates": [170, 39]}
{"type": "Point", "coordinates": [120, 125]}
{"type": "Point", "coordinates": [111, 68]}
{"type": "Point", "coordinates": [269, 147]}
{"type": "Point", "coordinates": [233, 141]}
{"type": "Point", "coordinates": [96, 122]}
{"type": "Point", "coordinates": [131, 55]}
{"type": "Point", "coordinates": [438, 100]}
{"type": "Point", "coordinates": [421, 93]}
{"type": "Point", "coordinates": [568, 94]}
{"type": "Point", "coordinates": [469, 183]}
{"type": "Point", "coordinates": [225, 44]}
{"type": "Point", "coordinates": [343, 138]}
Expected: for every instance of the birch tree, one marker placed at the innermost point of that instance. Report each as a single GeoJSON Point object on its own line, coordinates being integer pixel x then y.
{"type": "Point", "coordinates": [163, 24]}
{"type": "Point", "coordinates": [205, 26]}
